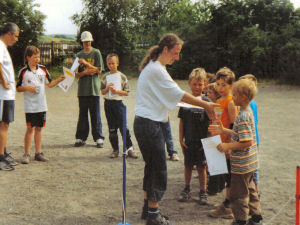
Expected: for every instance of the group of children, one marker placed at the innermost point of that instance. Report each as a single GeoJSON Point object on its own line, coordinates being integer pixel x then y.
{"type": "Point", "coordinates": [238, 130]}
{"type": "Point", "coordinates": [32, 79]}
{"type": "Point", "coordinates": [237, 127]}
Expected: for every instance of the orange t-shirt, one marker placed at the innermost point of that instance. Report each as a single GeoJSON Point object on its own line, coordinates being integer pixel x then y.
{"type": "Point", "coordinates": [225, 117]}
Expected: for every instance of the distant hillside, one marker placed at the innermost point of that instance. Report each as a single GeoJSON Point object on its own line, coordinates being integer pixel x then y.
{"type": "Point", "coordinates": [57, 38]}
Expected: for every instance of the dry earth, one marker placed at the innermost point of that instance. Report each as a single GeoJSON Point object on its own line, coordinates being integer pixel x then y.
{"type": "Point", "coordinates": [83, 185]}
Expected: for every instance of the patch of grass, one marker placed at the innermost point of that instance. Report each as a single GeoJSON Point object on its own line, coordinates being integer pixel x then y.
{"type": "Point", "coordinates": [55, 71]}
{"type": "Point", "coordinates": [45, 38]}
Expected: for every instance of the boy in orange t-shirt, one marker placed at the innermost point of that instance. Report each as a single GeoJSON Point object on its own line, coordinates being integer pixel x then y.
{"type": "Point", "coordinates": [224, 81]}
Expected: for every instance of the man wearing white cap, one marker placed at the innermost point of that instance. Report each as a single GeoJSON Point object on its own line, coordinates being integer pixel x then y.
{"type": "Point", "coordinates": [91, 66]}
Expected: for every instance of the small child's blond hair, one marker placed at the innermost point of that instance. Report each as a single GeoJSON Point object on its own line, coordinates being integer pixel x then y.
{"type": "Point", "coordinates": [226, 74]}
{"type": "Point", "coordinates": [211, 77]}
{"type": "Point", "coordinates": [198, 73]}
{"type": "Point", "coordinates": [212, 87]}
{"type": "Point", "coordinates": [250, 77]}
{"type": "Point", "coordinates": [110, 55]}
{"type": "Point", "coordinates": [245, 87]}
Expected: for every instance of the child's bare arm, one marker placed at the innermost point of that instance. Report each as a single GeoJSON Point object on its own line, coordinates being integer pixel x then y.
{"type": "Point", "coordinates": [91, 70]}
{"type": "Point", "coordinates": [106, 89]}
{"type": "Point", "coordinates": [232, 111]}
{"type": "Point", "coordinates": [181, 141]}
{"type": "Point", "coordinates": [225, 147]}
{"type": "Point", "coordinates": [53, 83]}
{"type": "Point", "coordinates": [31, 89]}
{"type": "Point", "coordinates": [118, 92]}
{"type": "Point", "coordinates": [216, 129]}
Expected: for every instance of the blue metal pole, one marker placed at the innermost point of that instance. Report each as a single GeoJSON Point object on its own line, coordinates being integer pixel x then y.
{"type": "Point", "coordinates": [124, 170]}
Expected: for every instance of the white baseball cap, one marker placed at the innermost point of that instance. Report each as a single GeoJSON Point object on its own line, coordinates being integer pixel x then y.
{"type": "Point", "coordinates": [86, 36]}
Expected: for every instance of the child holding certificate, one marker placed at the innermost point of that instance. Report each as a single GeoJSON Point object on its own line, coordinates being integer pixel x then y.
{"type": "Point", "coordinates": [32, 80]}
{"type": "Point", "coordinates": [114, 85]}
{"type": "Point", "coordinates": [227, 112]}
{"type": "Point", "coordinates": [244, 200]}
{"type": "Point", "coordinates": [193, 126]}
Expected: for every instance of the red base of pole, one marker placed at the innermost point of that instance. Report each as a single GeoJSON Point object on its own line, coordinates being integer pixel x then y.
{"type": "Point", "coordinates": [298, 196]}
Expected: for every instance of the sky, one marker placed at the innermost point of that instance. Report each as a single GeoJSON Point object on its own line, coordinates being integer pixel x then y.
{"type": "Point", "coordinates": [58, 14]}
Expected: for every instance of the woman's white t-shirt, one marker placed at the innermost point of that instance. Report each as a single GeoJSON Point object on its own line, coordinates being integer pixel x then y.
{"type": "Point", "coordinates": [156, 93]}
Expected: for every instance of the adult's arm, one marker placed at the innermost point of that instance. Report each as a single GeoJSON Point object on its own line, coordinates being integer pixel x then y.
{"type": "Point", "coordinates": [208, 106]}
{"type": "Point", "coordinates": [2, 80]}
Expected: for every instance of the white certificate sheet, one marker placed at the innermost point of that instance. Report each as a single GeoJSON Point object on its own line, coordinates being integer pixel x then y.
{"type": "Point", "coordinates": [186, 105]}
{"type": "Point", "coordinates": [75, 64]}
{"type": "Point", "coordinates": [216, 160]}
{"type": "Point", "coordinates": [114, 78]}
{"type": "Point", "coordinates": [68, 81]}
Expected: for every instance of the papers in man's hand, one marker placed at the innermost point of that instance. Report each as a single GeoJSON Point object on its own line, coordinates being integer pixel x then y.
{"type": "Point", "coordinates": [186, 105]}
{"type": "Point", "coordinates": [114, 78]}
{"type": "Point", "coordinates": [69, 78]}
{"type": "Point", "coordinates": [75, 65]}
{"type": "Point", "coordinates": [216, 160]}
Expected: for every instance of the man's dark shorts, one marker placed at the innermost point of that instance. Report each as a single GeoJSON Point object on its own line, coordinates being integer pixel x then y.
{"type": "Point", "coordinates": [36, 119]}
{"type": "Point", "coordinates": [7, 109]}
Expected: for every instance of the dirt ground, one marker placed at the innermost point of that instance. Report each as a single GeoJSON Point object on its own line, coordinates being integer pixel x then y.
{"type": "Point", "coordinates": [83, 185]}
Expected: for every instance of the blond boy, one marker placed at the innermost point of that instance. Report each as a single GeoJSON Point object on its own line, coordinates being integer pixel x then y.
{"type": "Point", "coordinates": [244, 199]}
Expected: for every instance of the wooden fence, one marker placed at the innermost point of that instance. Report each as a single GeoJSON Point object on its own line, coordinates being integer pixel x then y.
{"type": "Point", "coordinates": [53, 49]}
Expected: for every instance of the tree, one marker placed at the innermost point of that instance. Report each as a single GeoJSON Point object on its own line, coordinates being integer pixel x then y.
{"type": "Point", "coordinates": [111, 23]}
{"type": "Point", "coordinates": [249, 36]}
{"type": "Point", "coordinates": [29, 20]}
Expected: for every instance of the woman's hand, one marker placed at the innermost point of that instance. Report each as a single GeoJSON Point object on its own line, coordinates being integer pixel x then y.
{"type": "Point", "coordinates": [210, 110]}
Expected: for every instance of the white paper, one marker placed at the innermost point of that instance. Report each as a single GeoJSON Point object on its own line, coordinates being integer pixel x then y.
{"type": "Point", "coordinates": [114, 78]}
{"type": "Point", "coordinates": [68, 81]}
{"type": "Point", "coordinates": [186, 105]}
{"type": "Point", "coordinates": [216, 160]}
{"type": "Point", "coordinates": [75, 65]}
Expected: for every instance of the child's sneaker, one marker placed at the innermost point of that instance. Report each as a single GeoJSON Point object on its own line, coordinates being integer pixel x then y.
{"type": "Point", "coordinates": [158, 220]}
{"type": "Point", "coordinates": [10, 159]}
{"type": "Point", "coordinates": [40, 157]}
{"type": "Point", "coordinates": [114, 154]}
{"type": "Point", "coordinates": [251, 222]}
{"type": "Point", "coordinates": [25, 159]}
{"type": "Point", "coordinates": [185, 195]}
{"type": "Point", "coordinates": [174, 157]}
{"type": "Point", "coordinates": [99, 143]}
{"type": "Point", "coordinates": [203, 197]}
{"type": "Point", "coordinates": [5, 166]}
{"type": "Point", "coordinates": [144, 214]}
{"type": "Point", "coordinates": [79, 143]}
{"type": "Point", "coordinates": [236, 223]}
{"type": "Point", "coordinates": [131, 153]}
{"type": "Point", "coordinates": [221, 212]}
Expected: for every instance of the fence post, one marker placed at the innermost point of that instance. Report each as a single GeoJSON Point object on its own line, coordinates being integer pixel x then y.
{"type": "Point", "coordinates": [52, 52]}
{"type": "Point", "coordinates": [298, 196]}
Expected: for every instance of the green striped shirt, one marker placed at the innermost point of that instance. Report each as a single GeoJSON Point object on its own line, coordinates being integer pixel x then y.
{"type": "Point", "coordinates": [244, 161]}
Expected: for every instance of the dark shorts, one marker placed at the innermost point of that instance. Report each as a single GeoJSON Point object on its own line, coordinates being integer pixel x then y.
{"type": "Point", "coordinates": [194, 155]}
{"type": "Point", "coordinates": [150, 138]}
{"type": "Point", "coordinates": [7, 109]}
{"type": "Point", "coordinates": [36, 119]}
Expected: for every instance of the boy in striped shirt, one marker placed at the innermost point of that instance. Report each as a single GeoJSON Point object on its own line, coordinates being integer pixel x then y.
{"type": "Point", "coordinates": [244, 199]}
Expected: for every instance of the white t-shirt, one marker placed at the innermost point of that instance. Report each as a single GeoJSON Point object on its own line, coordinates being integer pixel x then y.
{"type": "Point", "coordinates": [156, 93]}
{"type": "Point", "coordinates": [8, 73]}
{"type": "Point", "coordinates": [34, 102]}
